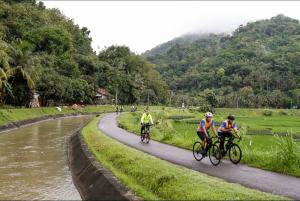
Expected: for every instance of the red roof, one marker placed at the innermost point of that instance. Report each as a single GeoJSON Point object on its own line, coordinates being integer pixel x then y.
{"type": "Point", "coordinates": [102, 91]}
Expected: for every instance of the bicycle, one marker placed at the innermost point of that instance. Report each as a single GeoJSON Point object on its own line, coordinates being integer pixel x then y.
{"type": "Point", "coordinates": [234, 150]}
{"type": "Point", "coordinates": [213, 152]}
{"type": "Point", "coordinates": [146, 134]}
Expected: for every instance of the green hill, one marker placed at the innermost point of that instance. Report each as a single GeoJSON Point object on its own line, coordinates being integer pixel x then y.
{"type": "Point", "coordinates": [43, 50]}
{"type": "Point", "coordinates": [258, 65]}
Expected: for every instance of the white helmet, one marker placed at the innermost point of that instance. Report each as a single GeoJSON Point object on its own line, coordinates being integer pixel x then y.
{"type": "Point", "coordinates": [208, 114]}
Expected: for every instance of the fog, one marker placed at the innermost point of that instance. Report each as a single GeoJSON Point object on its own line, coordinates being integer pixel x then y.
{"type": "Point", "coordinates": [143, 25]}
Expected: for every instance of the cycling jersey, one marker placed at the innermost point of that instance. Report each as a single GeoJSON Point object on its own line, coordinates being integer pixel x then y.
{"type": "Point", "coordinates": [146, 119]}
{"type": "Point", "coordinates": [206, 124]}
{"type": "Point", "coordinates": [227, 125]}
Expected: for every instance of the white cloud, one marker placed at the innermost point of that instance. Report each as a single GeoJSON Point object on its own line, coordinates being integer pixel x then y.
{"type": "Point", "coordinates": [141, 25]}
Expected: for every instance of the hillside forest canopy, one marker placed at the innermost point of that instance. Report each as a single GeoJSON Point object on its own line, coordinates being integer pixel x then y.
{"type": "Point", "coordinates": [258, 65]}
{"type": "Point", "coordinates": [42, 51]}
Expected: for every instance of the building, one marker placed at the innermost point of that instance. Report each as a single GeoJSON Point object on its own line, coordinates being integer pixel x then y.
{"type": "Point", "coordinates": [101, 93]}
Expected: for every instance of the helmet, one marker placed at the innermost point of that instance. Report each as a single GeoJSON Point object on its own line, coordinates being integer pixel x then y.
{"type": "Point", "coordinates": [231, 117]}
{"type": "Point", "coordinates": [208, 114]}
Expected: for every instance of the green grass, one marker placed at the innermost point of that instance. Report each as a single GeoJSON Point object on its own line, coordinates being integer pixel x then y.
{"type": "Point", "coordinates": [154, 179]}
{"type": "Point", "coordinates": [8, 115]}
{"type": "Point", "coordinates": [264, 151]}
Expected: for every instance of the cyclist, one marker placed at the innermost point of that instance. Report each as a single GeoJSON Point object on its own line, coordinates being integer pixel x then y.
{"type": "Point", "coordinates": [203, 131]}
{"type": "Point", "coordinates": [146, 120]}
{"type": "Point", "coordinates": [225, 130]}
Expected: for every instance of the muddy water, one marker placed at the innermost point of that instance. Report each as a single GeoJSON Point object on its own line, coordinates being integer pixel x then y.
{"type": "Point", "coordinates": [33, 161]}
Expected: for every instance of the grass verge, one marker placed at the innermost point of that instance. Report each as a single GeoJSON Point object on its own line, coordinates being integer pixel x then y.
{"type": "Point", "coordinates": [155, 179]}
{"type": "Point", "coordinates": [9, 115]}
{"type": "Point", "coordinates": [274, 153]}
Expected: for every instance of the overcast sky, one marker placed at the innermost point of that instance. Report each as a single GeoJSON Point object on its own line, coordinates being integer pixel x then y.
{"type": "Point", "coordinates": [142, 25]}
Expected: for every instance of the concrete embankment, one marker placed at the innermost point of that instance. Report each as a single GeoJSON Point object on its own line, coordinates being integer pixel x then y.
{"type": "Point", "coordinates": [93, 181]}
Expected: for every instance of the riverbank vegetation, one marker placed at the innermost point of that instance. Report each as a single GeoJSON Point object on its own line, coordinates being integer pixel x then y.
{"type": "Point", "coordinates": [14, 115]}
{"type": "Point", "coordinates": [154, 179]}
{"type": "Point", "coordinates": [269, 142]}
{"type": "Point", "coordinates": [43, 51]}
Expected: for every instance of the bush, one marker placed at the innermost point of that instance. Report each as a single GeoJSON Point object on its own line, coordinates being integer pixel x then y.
{"type": "Point", "coordinates": [282, 113]}
{"type": "Point", "coordinates": [267, 113]}
{"type": "Point", "coordinates": [206, 108]}
{"type": "Point", "coordinates": [287, 153]}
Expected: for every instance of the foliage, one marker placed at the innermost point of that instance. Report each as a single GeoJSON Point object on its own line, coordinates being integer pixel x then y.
{"type": "Point", "coordinates": [43, 50]}
{"type": "Point", "coordinates": [256, 66]}
{"type": "Point", "coordinates": [263, 151]}
{"type": "Point", "coordinates": [267, 112]}
{"type": "Point", "coordinates": [154, 179]}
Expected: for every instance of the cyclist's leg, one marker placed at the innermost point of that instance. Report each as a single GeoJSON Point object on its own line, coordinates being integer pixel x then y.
{"type": "Point", "coordinates": [202, 135]}
{"type": "Point", "coordinates": [222, 140]}
{"type": "Point", "coordinates": [142, 129]}
{"type": "Point", "coordinates": [209, 143]}
{"type": "Point", "coordinates": [228, 135]}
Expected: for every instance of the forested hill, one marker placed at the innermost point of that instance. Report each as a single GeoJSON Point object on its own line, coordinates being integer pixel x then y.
{"type": "Point", "coordinates": [257, 65]}
{"type": "Point", "coordinates": [42, 50]}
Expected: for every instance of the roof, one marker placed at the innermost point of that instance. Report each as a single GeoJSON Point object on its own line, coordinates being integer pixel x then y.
{"type": "Point", "coordinates": [102, 91]}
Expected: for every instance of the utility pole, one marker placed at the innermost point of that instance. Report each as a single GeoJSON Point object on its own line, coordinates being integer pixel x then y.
{"type": "Point", "coordinates": [116, 96]}
{"type": "Point", "coordinates": [148, 98]}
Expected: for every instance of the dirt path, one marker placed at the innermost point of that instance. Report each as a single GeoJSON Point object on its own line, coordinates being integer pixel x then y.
{"type": "Point", "coordinates": [247, 176]}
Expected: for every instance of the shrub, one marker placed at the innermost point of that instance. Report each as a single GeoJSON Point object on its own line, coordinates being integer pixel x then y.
{"type": "Point", "coordinates": [282, 113]}
{"type": "Point", "coordinates": [267, 113]}
{"type": "Point", "coordinates": [287, 153]}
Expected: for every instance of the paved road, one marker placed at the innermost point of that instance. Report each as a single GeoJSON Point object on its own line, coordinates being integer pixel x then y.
{"type": "Point", "coordinates": [247, 176]}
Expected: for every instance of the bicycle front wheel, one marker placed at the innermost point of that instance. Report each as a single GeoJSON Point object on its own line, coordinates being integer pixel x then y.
{"type": "Point", "coordinates": [214, 155]}
{"type": "Point", "coordinates": [197, 151]}
{"type": "Point", "coordinates": [235, 153]}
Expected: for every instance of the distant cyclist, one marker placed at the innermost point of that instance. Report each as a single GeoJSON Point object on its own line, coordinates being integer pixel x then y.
{"type": "Point", "coordinates": [203, 130]}
{"type": "Point", "coordinates": [146, 120]}
{"type": "Point", "coordinates": [225, 130]}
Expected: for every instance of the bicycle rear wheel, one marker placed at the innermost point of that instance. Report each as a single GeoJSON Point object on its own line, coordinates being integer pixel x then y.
{"type": "Point", "coordinates": [147, 138]}
{"type": "Point", "coordinates": [197, 148]}
{"type": "Point", "coordinates": [214, 155]}
{"type": "Point", "coordinates": [235, 153]}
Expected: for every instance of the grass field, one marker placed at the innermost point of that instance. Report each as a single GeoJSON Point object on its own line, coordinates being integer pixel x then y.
{"type": "Point", "coordinates": [155, 179]}
{"type": "Point", "coordinates": [8, 115]}
{"type": "Point", "coordinates": [280, 154]}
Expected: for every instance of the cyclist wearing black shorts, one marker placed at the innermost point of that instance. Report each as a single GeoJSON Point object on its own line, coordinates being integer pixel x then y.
{"type": "Point", "coordinates": [225, 130]}
{"type": "Point", "coordinates": [203, 130]}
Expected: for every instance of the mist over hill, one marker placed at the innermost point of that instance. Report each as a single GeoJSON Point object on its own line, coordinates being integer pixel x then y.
{"type": "Point", "coordinates": [258, 65]}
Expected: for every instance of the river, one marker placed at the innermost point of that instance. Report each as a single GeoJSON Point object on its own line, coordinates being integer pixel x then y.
{"type": "Point", "coordinates": [33, 161]}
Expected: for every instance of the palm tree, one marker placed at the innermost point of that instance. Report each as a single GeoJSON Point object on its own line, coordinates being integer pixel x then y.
{"type": "Point", "coordinates": [6, 72]}
{"type": "Point", "coordinates": [25, 64]}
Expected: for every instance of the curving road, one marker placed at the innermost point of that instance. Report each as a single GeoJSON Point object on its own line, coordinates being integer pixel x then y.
{"type": "Point", "coordinates": [247, 176]}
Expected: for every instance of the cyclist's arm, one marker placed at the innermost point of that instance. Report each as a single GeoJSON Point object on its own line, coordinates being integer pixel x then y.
{"type": "Point", "coordinates": [202, 125]}
{"type": "Point", "coordinates": [142, 119]}
{"type": "Point", "coordinates": [223, 127]}
{"type": "Point", "coordinates": [214, 128]}
{"type": "Point", "coordinates": [151, 120]}
{"type": "Point", "coordinates": [235, 130]}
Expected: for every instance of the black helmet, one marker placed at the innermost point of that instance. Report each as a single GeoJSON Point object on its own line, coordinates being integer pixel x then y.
{"type": "Point", "coordinates": [231, 117]}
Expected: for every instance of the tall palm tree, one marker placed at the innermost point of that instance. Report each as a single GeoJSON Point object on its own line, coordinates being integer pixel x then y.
{"type": "Point", "coordinates": [6, 72]}
{"type": "Point", "coordinates": [24, 63]}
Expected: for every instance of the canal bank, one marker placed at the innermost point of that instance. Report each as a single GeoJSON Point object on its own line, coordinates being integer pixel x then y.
{"type": "Point", "coordinates": [33, 161]}
{"type": "Point", "coordinates": [93, 181]}
{"type": "Point", "coordinates": [16, 118]}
